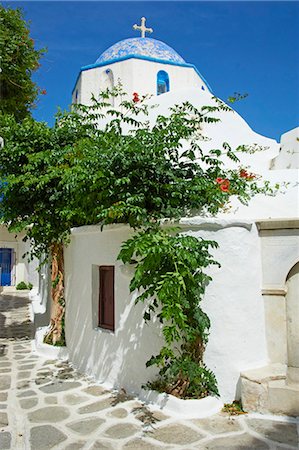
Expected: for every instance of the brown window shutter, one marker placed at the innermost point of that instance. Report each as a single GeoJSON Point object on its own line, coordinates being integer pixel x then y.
{"type": "Point", "coordinates": [106, 297]}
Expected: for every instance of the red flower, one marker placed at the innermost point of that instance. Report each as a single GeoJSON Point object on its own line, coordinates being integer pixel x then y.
{"type": "Point", "coordinates": [225, 186]}
{"type": "Point", "coordinates": [43, 92]}
{"type": "Point", "coordinates": [246, 175]}
{"type": "Point", "coordinates": [243, 173]}
{"type": "Point", "coordinates": [136, 98]}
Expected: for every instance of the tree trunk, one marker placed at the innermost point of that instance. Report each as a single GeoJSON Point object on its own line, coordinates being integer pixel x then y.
{"type": "Point", "coordinates": [55, 335]}
{"type": "Point", "coordinates": [180, 388]}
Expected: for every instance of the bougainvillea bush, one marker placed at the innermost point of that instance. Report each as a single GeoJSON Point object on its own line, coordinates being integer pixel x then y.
{"type": "Point", "coordinates": [104, 165]}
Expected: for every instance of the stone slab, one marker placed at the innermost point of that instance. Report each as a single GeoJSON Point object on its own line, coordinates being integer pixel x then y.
{"type": "Point", "coordinates": [50, 414]}
{"type": "Point", "coordinates": [28, 403]}
{"type": "Point", "coordinates": [3, 420]}
{"type": "Point", "coordinates": [140, 444]}
{"type": "Point", "coordinates": [29, 393]}
{"type": "Point", "coordinates": [218, 424]}
{"type": "Point", "coordinates": [3, 396]}
{"type": "Point", "coordinates": [240, 442]}
{"type": "Point", "coordinates": [5, 381]}
{"type": "Point", "coordinates": [119, 413]}
{"type": "Point", "coordinates": [51, 400]}
{"type": "Point", "coordinates": [86, 426]}
{"type": "Point", "coordinates": [266, 373]}
{"type": "Point", "coordinates": [96, 406]}
{"type": "Point", "coordinates": [5, 440]}
{"type": "Point", "coordinates": [75, 399]}
{"type": "Point", "coordinates": [100, 445]}
{"type": "Point", "coordinates": [280, 432]}
{"type": "Point", "coordinates": [283, 398]}
{"type": "Point", "coordinates": [95, 390]}
{"type": "Point", "coordinates": [45, 437]}
{"type": "Point", "coordinates": [121, 431]}
{"type": "Point", "coordinates": [59, 387]}
{"type": "Point", "coordinates": [176, 434]}
{"type": "Point", "coordinates": [75, 445]}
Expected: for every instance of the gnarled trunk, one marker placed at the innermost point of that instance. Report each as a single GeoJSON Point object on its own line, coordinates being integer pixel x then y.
{"type": "Point", "coordinates": [55, 335]}
{"type": "Point", "coordinates": [180, 388]}
{"type": "Point", "coordinates": [196, 350]}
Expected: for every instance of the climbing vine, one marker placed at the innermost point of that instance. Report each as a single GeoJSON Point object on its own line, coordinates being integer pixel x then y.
{"type": "Point", "coordinates": [170, 274]}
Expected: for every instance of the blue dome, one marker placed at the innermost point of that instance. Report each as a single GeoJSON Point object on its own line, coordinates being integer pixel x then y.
{"type": "Point", "coordinates": [140, 47]}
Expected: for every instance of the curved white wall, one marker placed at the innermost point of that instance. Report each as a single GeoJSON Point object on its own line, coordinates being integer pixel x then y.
{"type": "Point", "coordinates": [233, 302]}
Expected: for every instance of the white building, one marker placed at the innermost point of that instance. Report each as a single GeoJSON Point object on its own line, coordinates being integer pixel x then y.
{"type": "Point", "coordinates": [14, 266]}
{"type": "Point", "coordinates": [253, 301]}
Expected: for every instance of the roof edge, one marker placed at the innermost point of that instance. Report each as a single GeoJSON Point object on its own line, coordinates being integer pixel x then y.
{"type": "Point", "coordinates": [133, 55]}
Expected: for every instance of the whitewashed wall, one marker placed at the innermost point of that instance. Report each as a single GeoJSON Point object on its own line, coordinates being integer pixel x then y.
{"type": "Point", "coordinates": [288, 157]}
{"type": "Point", "coordinates": [114, 358]}
{"type": "Point", "coordinates": [136, 76]}
{"type": "Point", "coordinates": [233, 302]}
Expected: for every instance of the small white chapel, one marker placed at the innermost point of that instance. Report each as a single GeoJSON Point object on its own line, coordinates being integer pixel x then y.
{"type": "Point", "coordinates": [253, 300]}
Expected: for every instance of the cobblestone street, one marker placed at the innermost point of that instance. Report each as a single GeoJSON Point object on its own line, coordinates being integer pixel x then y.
{"type": "Point", "coordinates": [46, 404]}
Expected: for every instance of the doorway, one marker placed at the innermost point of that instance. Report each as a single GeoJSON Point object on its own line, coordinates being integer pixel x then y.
{"type": "Point", "coordinates": [5, 266]}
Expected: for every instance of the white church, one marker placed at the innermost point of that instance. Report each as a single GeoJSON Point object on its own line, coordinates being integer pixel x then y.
{"type": "Point", "coordinates": [253, 300]}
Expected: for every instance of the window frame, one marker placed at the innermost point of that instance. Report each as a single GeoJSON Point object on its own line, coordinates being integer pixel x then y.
{"type": "Point", "coordinates": [163, 82]}
{"type": "Point", "coordinates": [102, 321]}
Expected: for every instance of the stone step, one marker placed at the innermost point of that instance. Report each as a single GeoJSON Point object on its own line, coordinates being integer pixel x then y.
{"type": "Point", "coordinates": [283, 398]}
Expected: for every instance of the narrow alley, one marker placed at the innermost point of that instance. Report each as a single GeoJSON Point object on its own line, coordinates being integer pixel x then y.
{"type": "Point", "coordinates": [47, 404]}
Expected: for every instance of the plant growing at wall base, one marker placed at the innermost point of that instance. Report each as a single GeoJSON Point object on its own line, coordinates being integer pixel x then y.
{"type": "Point", "coordinates": [234, 409]}
{"type": "Point", "coordinates": [21, 286]}
{"type": "Point", "coordinates": [170, 272]}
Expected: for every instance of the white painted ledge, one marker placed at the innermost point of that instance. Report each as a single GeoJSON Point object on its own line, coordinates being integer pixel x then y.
{"type": "Point", "coordinates": [215, 224]}
{"type": "Point", "coordinates": [46, 350]}
{"type": "Point", "coordinates": [180, 408]}
{"type": "Point", "coordinates": [198, 222]}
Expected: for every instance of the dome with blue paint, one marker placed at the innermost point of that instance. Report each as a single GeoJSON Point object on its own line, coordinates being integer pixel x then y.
{"type": "Point", "coordinates": [140, 47]}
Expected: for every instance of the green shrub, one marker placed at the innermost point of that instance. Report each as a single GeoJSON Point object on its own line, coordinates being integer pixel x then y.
{"type": "Point", "coordinates": [21, 286]}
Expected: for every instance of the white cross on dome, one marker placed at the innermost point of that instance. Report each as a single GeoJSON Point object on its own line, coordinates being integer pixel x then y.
{"type": "Point", "coordinates": [142, 27]}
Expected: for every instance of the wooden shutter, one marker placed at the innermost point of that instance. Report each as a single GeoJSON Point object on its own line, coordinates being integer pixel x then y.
{"type": "Point", "coordinates": [106, 297]}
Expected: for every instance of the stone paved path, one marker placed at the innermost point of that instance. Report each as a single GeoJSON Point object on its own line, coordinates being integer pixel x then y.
{"type": "Point", "coordinates": [46, 404]}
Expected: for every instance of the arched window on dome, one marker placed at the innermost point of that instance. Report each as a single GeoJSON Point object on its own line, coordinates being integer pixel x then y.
{"type": "Point", "coordinates": [107, 82]}
{"type": "Point", "coordinates": [162, 82]}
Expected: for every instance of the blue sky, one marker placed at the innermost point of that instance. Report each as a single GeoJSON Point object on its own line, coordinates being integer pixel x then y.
{"type": "Point", "coordinates": [245, 47]}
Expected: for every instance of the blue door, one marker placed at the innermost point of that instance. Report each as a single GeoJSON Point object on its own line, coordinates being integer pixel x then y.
{"type": "Point", "coordinates": [5, 266]}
